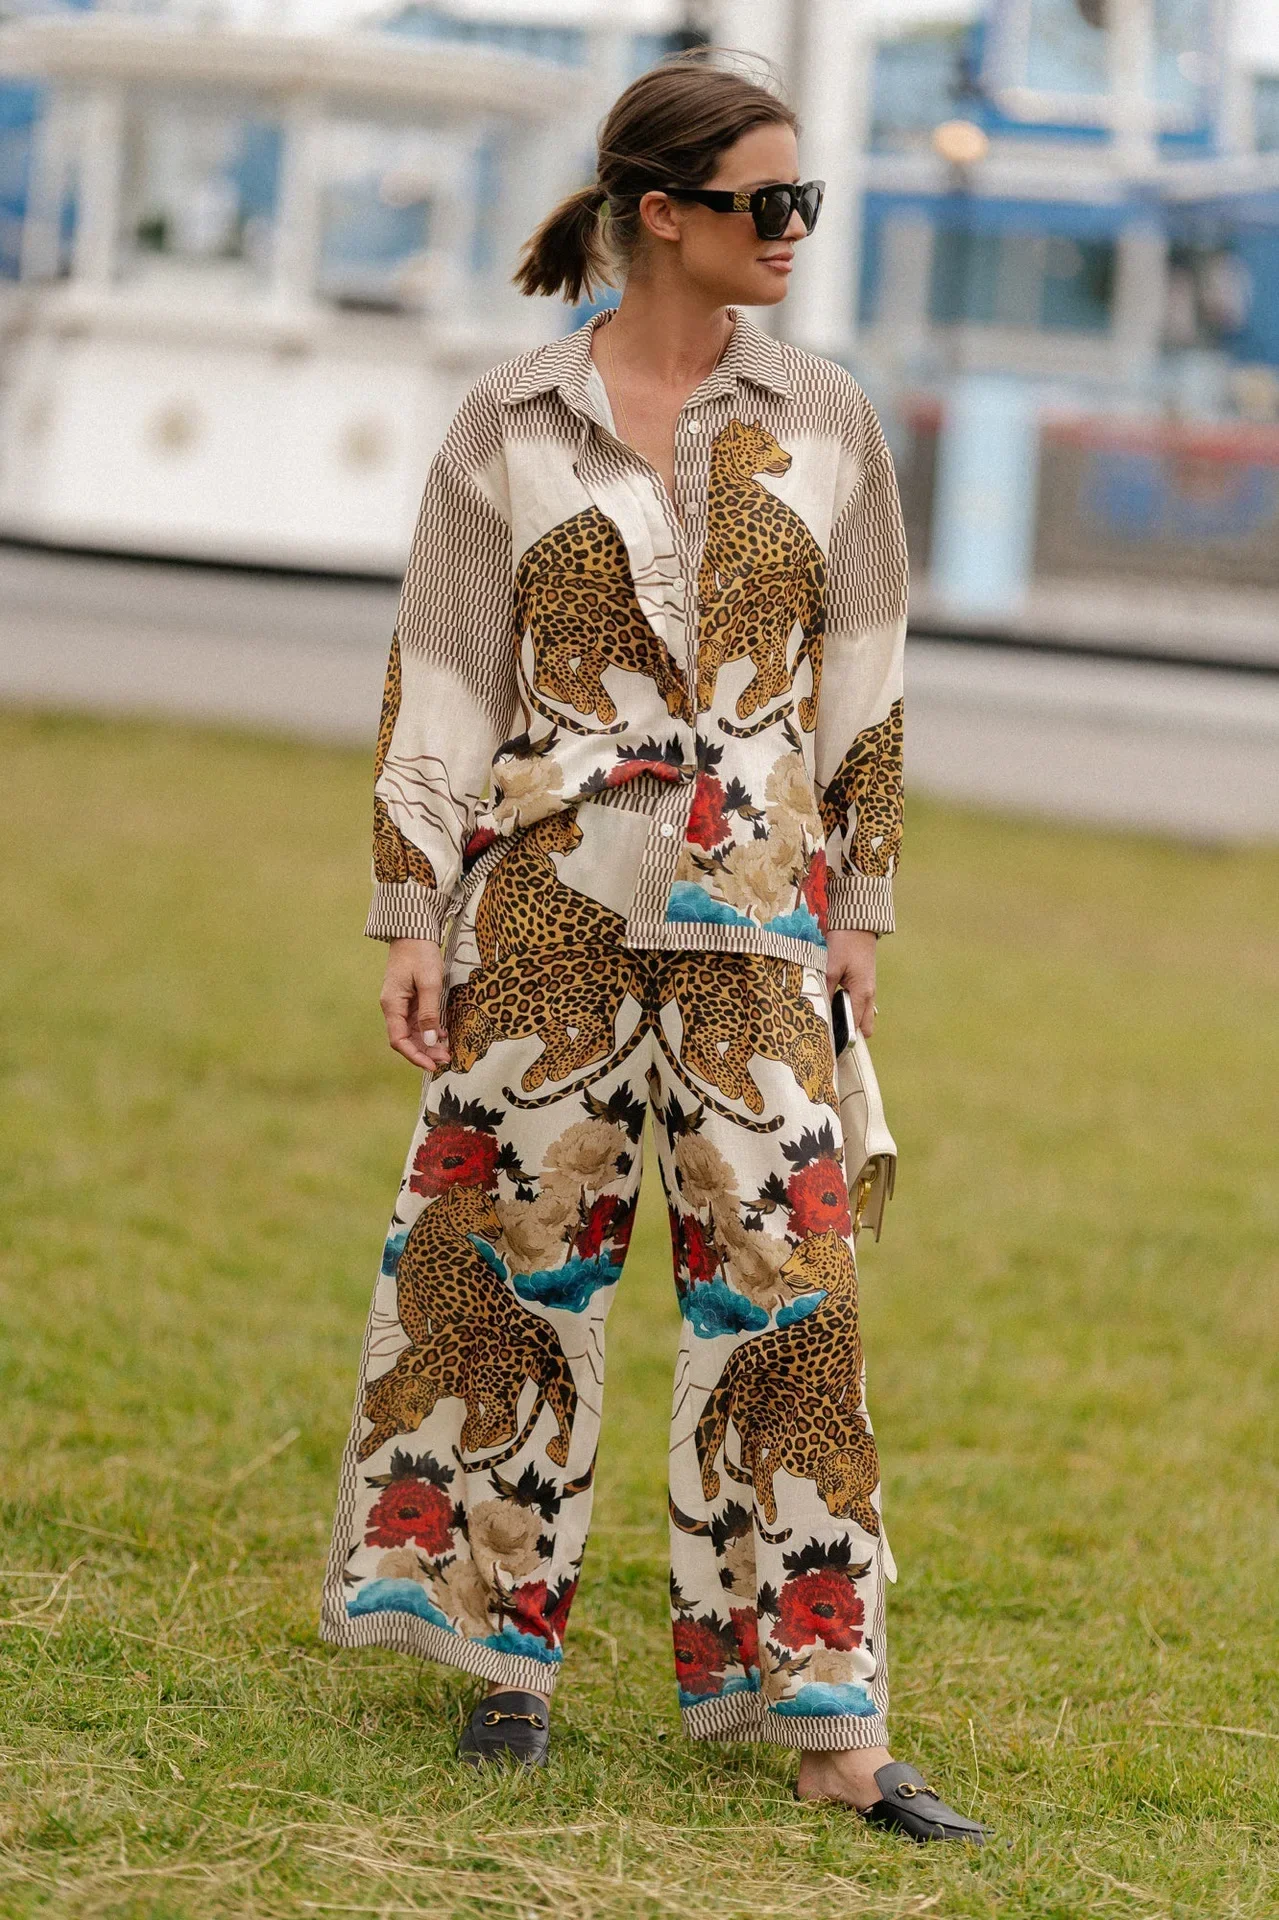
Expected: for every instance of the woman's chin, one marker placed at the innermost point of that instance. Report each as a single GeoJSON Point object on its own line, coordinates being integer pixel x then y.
{"type": "Point", "coordinates": [768, 286]}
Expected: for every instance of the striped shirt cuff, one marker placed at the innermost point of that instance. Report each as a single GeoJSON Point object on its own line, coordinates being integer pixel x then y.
{"type": "Point", "coordinates": [859, 901]}
{"type": "Point", "coordinates": [406, 910]}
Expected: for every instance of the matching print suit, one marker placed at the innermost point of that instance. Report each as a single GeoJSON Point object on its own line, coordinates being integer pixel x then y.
{"type": "Point", "coordinates": [638, 755]}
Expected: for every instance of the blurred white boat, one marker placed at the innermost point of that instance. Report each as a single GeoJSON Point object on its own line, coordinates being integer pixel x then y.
{"type": "Point", "coordinates": [289, 256]}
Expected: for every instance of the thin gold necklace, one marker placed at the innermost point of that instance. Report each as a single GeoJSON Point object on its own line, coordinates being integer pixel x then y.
{"type": "Point", "coordinates": [612, 367]}
{"type": "Point", "coordinates": [627, 434]}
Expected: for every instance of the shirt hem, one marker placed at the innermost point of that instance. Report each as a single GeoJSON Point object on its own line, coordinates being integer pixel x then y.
{"type": "Point", "coordinates": [701, 936]}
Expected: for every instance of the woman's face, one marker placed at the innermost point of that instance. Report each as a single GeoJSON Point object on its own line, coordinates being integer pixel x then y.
{"type": "Point", "coordinates": [721, 253]}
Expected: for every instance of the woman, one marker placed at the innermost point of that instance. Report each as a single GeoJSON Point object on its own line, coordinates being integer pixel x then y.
{"type": "Point", "coordinates": [655, 610]}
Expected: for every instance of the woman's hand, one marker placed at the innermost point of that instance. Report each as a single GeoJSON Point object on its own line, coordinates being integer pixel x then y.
{"type": "Point", "coordinates": [850, 963]}
{"type": "Point", "coordinates": [411, 1003]}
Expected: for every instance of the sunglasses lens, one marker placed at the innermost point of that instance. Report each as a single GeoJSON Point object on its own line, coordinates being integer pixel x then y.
{"type": "Point", "coordinates": [810, 205]}
{"type": "Point", "coordinates": [774, 213]}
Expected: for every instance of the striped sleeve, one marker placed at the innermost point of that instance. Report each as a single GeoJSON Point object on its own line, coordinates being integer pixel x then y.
{"type": "Point", "coordinates": [449, 697]}
{"type": "Point", "coordinates": [858, 747]}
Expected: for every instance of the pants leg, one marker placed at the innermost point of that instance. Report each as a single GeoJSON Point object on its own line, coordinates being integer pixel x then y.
{"type": "Point", "coordinates": [777, 1550]}
{"type": "Point", "coordinates": [466, 1488]}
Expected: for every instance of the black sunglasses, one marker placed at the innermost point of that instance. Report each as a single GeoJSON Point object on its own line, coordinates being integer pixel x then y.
{"type": "Point", "coordinates": [770, 207]}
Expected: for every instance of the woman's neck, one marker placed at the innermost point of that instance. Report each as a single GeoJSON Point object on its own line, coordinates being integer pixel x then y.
{"type": "Point", "coordinates": [670, 336]}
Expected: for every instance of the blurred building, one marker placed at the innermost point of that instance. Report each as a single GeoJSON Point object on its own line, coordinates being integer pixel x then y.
{"type": "Point", "coordinates": [1070, 285]}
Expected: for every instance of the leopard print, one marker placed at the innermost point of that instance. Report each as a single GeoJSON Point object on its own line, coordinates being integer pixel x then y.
{"type": "Point", "coordinates": [762, 571]}
{"type": "Point", "coordinates": [525, 907]}
{"type": "Point", "coordinates": [869, 780]}
{"type": "Point", "coordinates": [391, 693]}
{"type": "Point", "coordinates": [793, 1396]}
{"type": "Point", "coordinates": [729, 1020]}
{"type": "Point", "coordinates": [573, 1012]}
{"type": "Point", "coordinates": [729, 1015]}
{"type": "Point", "coordinates": [470, 1339]}
{"type": "Point", "coordinates": [575, 595]}
{"type": "Point", "coordinates": [394, 857]}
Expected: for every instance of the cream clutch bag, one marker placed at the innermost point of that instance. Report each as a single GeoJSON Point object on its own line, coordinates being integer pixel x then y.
{"type": "Point", "coordinates": [870, 1152]}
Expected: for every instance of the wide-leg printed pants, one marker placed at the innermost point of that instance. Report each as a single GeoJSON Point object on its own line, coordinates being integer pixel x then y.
{"type": "Point", "coordinates": [466, 1488]}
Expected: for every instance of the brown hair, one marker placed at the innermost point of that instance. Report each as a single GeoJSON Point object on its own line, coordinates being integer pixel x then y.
{"type": "Point", "coordinates": [668, 128]}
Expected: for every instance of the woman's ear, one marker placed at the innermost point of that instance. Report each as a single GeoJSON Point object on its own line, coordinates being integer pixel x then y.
{"type": "Point", "coordinates": [658, 212]}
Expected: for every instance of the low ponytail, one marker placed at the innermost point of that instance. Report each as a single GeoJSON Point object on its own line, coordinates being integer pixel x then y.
{"type": "Point", "coordinates": [667, 130]}
{"type": "Point", "coordinates": [567, 253]}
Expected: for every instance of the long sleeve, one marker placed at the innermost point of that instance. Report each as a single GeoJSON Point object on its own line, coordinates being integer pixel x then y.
{"type": "Point", "coordinates": [450, 694]}
{"type": "Point", "coordinates": [858, 747]}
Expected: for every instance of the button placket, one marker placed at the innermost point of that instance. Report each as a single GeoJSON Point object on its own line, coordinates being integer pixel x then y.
{"type": "Point", "coordinates": [623, 453]}
{"type": "Point", "coordinates": [656, 876]}
{"type": "Point", "coordinates": [690, 492]}
{"type": "Point", "coordinates": [716, 410]}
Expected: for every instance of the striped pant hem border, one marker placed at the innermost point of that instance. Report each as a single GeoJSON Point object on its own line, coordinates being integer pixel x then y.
{"type": "Point", "coordinates": [405, 1633]}
{"type": "Point", "coordinates": [743, 1716]}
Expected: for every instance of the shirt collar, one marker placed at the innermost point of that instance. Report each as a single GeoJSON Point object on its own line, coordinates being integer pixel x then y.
{"type": "Point", "coordinates": [564, 365]}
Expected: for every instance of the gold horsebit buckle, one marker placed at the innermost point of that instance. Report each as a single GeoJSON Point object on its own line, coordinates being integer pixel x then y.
{"type": "Point", "coordinates": [908, 1792]}
{"type": "Point", "coordinates": [494, 1719]}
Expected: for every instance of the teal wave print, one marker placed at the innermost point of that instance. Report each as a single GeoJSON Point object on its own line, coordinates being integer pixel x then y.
{"type": "Point", "coordinates": [526, 1646]}
{"type": "Point", "coordinates": [800, 1309]}
{"type": "Point", "coordinates": [397, 1596]}
{"type": "Point", "coordinates": [818, 1701]}
{"type": "Point", "coordinates": [570, 1286]}
{"type": "Point", "coordinates": [713, 1308]}
{"type": "Point", "coordinates": [689, 902]}
{"type": "Point", "coordinates": [748, 1683]}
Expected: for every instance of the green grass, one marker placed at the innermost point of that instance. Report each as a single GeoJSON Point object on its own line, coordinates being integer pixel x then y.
{"type": "Point", "coordinates": [1069, 1322]}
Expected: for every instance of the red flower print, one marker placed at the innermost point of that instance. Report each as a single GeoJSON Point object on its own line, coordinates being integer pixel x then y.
{"type": "Point", "coordinates": [820, 1606]}
{"type": "Point", "coordinates": [557, 1612]}
{"type": "Point", "coordinates": [476, 843]}
{"type": "Point", "coordinates": [410, 1510]}
{"type": "Point", "coordinates": [818, 1198]}
{"type": "Point", "coordinates": [452, 1156]}
{"type": "Point", "coordinates": [745, 1635]}
{"type": "Point", "coordinates": [814, 888]}
{"type": "Point", "coordinates": [700, 1656]}
{"type": "Point", "coordinates": [621, 1230]}
{"type": "Point", "coordinates": [534, 1608]}
{"type": "Point", "coordinates": [693, 1247]}
{"type": "Point", "coordinates": [604, 1221]}
{"type": "Point", "coordinates": [525, 1607]}
{"type": "Point", "coordinates": [706, 823]}
{"type": "Point", "coordinates": [631, 770]}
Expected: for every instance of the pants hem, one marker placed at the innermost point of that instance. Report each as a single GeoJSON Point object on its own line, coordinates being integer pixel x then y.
{"type": "Point", "coordinates": [744, 1717]}
{"type": "Point", "coordinates": [405, 1633]}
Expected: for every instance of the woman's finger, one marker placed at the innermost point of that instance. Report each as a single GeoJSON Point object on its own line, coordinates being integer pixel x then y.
{"type": "Point", "coordinates": [431, 1032]}
{"type": "Point", "coordinates": [405, 1037]}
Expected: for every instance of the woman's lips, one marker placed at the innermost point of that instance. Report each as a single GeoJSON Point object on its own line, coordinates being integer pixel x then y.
{"type": "Point", "coordinates": [779, 262]}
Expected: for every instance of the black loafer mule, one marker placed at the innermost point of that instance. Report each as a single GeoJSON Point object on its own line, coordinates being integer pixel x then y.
{"type": "Point", "coordinates": [507, 1726]}
{"type": "Point", "coordinates": [910, 1805]}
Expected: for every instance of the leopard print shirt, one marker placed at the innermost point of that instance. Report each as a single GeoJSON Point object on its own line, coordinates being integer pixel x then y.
{"type": "Point", "coordinates": [722, 666]}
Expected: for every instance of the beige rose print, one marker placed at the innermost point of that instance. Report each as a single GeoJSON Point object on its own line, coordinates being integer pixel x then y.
{"type": "Point", "coordinates": [754, 1260]}
{"type": "Point", "coordinates": [582, 1160]}
{"type": "Point", "coordinates": [530, 791]}
{"type": "Point", "coordinates": [738, 1561]}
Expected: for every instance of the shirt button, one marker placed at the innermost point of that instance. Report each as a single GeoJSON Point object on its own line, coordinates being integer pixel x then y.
{"type": "Point", "coordinates": [666, 830]}
{"type": "Point", "coordinates": [694, 426]}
